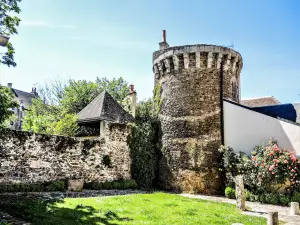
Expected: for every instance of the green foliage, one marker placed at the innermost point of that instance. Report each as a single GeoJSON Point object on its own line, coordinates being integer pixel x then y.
{"type": "Point", "coordinates": [271, 198]}
{"type": "Point", "coordinates": [296, 197]}
{"type": "Point", "coordinates": [266, 171]}
{"type": "Point", "coordinates": [40, 117]}
{"type": "Point", "coordinates": [34, 187]}
{"type": "Point", "coordinates": [117, 87]}
{"type": "Point", "coordinates": [284, 199]}
{"type": "Point", "coordinates": [6, 103]}
{"type": "Point", "coordinates": [250, 196]}
{"type": "Point", "coordinates": [8, 26]}
{"type": "Point", "coordinates": [56, 186]}
{"type": "Point", "coordinates": [121, 184]}
{"type": "Point", "coordinates": [66, 126]}
{"type": "Point", "coordinates": [55, 112]}
{"type": "Point", "coordinates": [77, 95]}
{"type": "Point", "coordinates": [230, 193]}
{"type": "Point", "coordinates": [143, 145]}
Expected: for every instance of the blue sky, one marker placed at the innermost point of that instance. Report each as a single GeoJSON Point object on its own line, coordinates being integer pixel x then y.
{"type": "Point", "coordinates": [111, 38]}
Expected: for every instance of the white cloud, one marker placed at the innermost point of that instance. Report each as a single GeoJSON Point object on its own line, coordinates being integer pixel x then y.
{"type": "Point", "coordinates": [44, 24]}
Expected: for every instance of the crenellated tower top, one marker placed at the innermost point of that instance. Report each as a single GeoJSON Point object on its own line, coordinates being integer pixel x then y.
{"type": "Point", "coordinates": [199, 56]}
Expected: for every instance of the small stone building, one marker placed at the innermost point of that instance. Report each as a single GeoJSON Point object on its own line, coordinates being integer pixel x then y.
{"type": "Point", "coordinates": [102, 111]}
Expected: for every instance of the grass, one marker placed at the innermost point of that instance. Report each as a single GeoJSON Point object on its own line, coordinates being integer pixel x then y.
{"type": "Point", "coordinates": [156, 209]}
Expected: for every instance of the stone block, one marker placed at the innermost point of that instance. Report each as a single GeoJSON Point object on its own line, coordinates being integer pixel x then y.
{"type": "Point", "coordinates": [240, 193]}
{"type": "Point", "coordinates": [272, 218]}
{"type": "Point", "coordinates": [75, 184]}
{"type": "Point", "coordinates": [295, 208]}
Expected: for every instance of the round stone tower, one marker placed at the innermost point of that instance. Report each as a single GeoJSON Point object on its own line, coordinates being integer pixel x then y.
{"type": "Point", "coordinates": [190, 82]}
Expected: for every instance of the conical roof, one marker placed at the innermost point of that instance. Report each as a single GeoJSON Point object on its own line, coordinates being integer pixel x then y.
{"type": "Point", "coordinates": [104, 107]}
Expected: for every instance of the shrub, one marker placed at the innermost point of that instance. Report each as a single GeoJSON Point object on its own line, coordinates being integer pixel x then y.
{"type": "Point", "coordinates": [271, 198]}
{"type": "Point", "coordinates": [262, 198]}
{"type": "Point", "coordinates": [230, 193]}
{"type": "Point", "coordinates": [265, 171]}
{"type": "Point", "coordinates": [284, 199]}
{"type": "Point", "coordinates": [130, 184]}
{"type": "Point", "coordinates": [250, 196]}
{"type": "Point", "coordinates": [56, 186]}
{"type": "Point", "coordinates": [296, 197]}
{"type": "Point", "coordinates": [33, 187]}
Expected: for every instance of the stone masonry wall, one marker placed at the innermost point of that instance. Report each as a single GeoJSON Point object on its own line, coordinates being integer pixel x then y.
{"type": "Point", "coordinates": [32, 158]}
{"type": "Point", "coordinates": [190, 113]}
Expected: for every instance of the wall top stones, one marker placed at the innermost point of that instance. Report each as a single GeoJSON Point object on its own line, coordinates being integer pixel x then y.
{"type": "Point", "coordinates": [161, 54]}
{"type": "Point", "coordinates": [196, 56]}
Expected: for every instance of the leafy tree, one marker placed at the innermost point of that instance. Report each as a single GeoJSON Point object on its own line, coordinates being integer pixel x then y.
{"type": "Point", "coordinates": [67, 125]}
{"type": "Point", "coordinates": [77, 95]}
{"type": "Point", "coordinates": [117, 88]}
{"type": "Point", "coordinates": [55, 112]}
{"type": "Point", "coordinates": [6, 103]}
{"type": "Point", "coordinates": [41, 117]}
{"type": "Point", "coordinates": [8, 26]}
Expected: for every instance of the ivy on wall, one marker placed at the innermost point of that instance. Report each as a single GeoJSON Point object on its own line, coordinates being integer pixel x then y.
{"type": "Point", "coordinates": [143, 145]}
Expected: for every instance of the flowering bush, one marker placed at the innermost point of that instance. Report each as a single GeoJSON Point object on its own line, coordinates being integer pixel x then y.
{"type": "Point", "coordinates": [266, 170]}
{"type": "Point", "coordinates": [276, 167]}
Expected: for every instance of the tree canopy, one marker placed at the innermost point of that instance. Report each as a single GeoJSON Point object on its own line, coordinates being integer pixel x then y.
{"type": "Point", "coordinates": [6, 103]}
{"type": "Point", "coordinates": [8, 26]}
{"type": "Point", "coordinates": [55, 111]}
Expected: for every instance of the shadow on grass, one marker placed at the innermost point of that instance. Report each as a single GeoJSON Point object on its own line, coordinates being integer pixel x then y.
{"type": "Point", "coordinates": [46, 212]}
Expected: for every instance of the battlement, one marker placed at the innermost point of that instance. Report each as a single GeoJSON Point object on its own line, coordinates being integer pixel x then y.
{"type": "Point", "coordinates": [196, 56]}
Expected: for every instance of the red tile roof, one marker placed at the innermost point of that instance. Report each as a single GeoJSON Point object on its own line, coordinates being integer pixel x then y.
{"type": "Point", "coordinates": [260, 101]}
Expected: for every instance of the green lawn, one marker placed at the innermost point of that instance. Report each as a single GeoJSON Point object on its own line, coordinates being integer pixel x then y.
{"type": "Point", "coordinates": [157, 208]}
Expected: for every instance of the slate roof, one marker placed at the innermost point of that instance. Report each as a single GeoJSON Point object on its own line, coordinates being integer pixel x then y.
{"type": "Point", "coordinates": [104, 107]}
{"type": "Point", "coordinates": [23, 94]}
{"type": "Point", "coordinates": [288, 111]}
{"type": "Point", "coordinates": [289, 119]}
{"type": "Point", "coordinates": [260, 101]}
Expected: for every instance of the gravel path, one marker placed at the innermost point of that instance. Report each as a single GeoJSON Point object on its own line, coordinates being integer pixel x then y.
{"type": "Point", "coordinates": [257, 209]}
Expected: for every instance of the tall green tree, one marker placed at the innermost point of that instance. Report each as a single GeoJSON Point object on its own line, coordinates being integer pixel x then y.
{"type": "Point", "coordinates": [55, 112]}
{"type": "Point", "coordinates": [6, 103]}
{"type": "Point", "coordinates": [78, 94]}
{"type": "Point", "coordinates": [8, 26]}
{"type": "Point", "coordinates": [117, 87]}
{"type": "Point", "coordinates": [40, 117]}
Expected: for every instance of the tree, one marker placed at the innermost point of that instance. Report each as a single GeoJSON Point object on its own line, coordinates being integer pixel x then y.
{"type": "Point", "coordinates": [78, 94]}
{"type": "Point", "coordinates": [8, 26]}
{"type": "Point", "coordinates": [55, 112]}
{"type": "Point", "coordinates": [117, 88]}
{"type": "Point", "coordinates": [67, 125]}
{"type": "Point", "coordinates": [6, 103]}
{"type": "Point", "coordinates": [41, 117]}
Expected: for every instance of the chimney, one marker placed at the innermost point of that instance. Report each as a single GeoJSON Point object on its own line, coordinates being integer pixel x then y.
{"type": "Point", "coordinates": [132, 98]}
{"type": "Point", "coordinates": [9, 85]}
{"type": "Point", "coordinates": [163, 45]}
{"type": "Point", "coordinates": [33, 91]}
